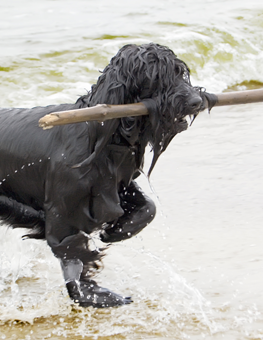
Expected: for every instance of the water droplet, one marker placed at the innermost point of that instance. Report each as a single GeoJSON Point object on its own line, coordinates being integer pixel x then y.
{"type": "Point", "coordinates": [40, 160]}
{"type": "Point", "coordinates": [15, 171]}
{"type": "Point", "coordinates": [22, 167]}
{"type": "Point", "coordinates": [29, 164]}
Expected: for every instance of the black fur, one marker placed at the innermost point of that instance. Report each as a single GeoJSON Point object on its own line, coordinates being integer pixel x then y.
{"type": "Point", "coordinates": [70, 181]}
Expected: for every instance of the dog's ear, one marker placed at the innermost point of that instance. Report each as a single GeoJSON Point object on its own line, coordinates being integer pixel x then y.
{"type": "Point", "coordinates": [153, 112]}
{"type": "Point", "coordinates": [155, 136]}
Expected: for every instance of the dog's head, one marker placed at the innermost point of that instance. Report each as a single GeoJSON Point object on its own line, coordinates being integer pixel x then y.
{"type": "Point", "coordinates": [152, 74]}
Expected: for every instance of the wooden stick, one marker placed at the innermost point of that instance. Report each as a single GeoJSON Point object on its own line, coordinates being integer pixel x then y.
{"type": "Point", "coordinates": [104, 112]}
{"type": "Point", "coordinates": [100, 113]}
{"type": "Point", "coordinates": [239, 97]}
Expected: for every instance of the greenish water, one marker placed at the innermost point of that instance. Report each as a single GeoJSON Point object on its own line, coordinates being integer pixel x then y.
{"type": "Point", "coordinates": [195, 272]}
{"type": "Point", "coordinates": [51, 51]}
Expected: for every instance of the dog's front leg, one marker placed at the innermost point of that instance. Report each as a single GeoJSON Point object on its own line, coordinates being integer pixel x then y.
{"type": "Point", "coordinates": [139, 211]}
{"type": "Point", "coordinates": [78, 263]}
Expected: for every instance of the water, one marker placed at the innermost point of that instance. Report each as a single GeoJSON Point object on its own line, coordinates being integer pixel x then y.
{"type": "Point", "coordinates": [195, 272]}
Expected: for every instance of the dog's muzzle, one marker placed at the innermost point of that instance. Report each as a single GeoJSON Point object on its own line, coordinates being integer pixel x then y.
{"type": "Point", "coordinates": [192, 106]}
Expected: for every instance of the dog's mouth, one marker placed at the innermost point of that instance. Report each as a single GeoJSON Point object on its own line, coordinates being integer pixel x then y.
{"type": "Point", "coordinates": [190, 118]}
{"type": "Point", "coordinates": [187, 120]}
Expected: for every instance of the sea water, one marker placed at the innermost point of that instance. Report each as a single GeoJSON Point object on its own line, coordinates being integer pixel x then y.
{"type": "Point", "coordinates": [196, 271]}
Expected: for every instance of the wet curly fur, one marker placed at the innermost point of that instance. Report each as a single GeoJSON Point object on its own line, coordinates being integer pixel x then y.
{"type": "Point", "coordinates": [67, 182]}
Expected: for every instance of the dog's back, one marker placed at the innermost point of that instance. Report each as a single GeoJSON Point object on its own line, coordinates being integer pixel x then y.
{"type": "Point", "coordinates": [25, 151]}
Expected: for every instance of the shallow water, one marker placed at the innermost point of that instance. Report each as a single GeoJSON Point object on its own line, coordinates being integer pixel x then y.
{"type": "Point", "coordinates": [195, 272]}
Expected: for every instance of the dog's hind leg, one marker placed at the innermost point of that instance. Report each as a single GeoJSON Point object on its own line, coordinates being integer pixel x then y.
{"type": "Point", "coordinates": [78, 263]}
{"type": "Point", "coordinates": [20, 215]}
{"type": "Point", "coordinates": [139, 211]}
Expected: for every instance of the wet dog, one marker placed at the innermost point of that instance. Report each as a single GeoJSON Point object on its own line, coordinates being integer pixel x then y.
{"type": "Point", "coordinates": [67, 182]}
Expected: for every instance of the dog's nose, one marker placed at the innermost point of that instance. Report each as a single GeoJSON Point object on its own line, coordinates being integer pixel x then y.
{"type": "Point", "coordinates": [195, 103]}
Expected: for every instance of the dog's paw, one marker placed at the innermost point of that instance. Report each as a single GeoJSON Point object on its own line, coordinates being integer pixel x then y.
{"type": "Point", "coordinates": [88, 294]}
{"type": "Point", "coordinates": [114, 235]}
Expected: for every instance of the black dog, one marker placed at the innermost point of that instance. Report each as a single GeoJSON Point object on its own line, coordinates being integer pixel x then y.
{"type": "Point", "coordinates": [69, 181]}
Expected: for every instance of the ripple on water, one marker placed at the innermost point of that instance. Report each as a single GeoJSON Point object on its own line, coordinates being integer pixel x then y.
{"type": "Point", "coordinates": [33, 297]}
